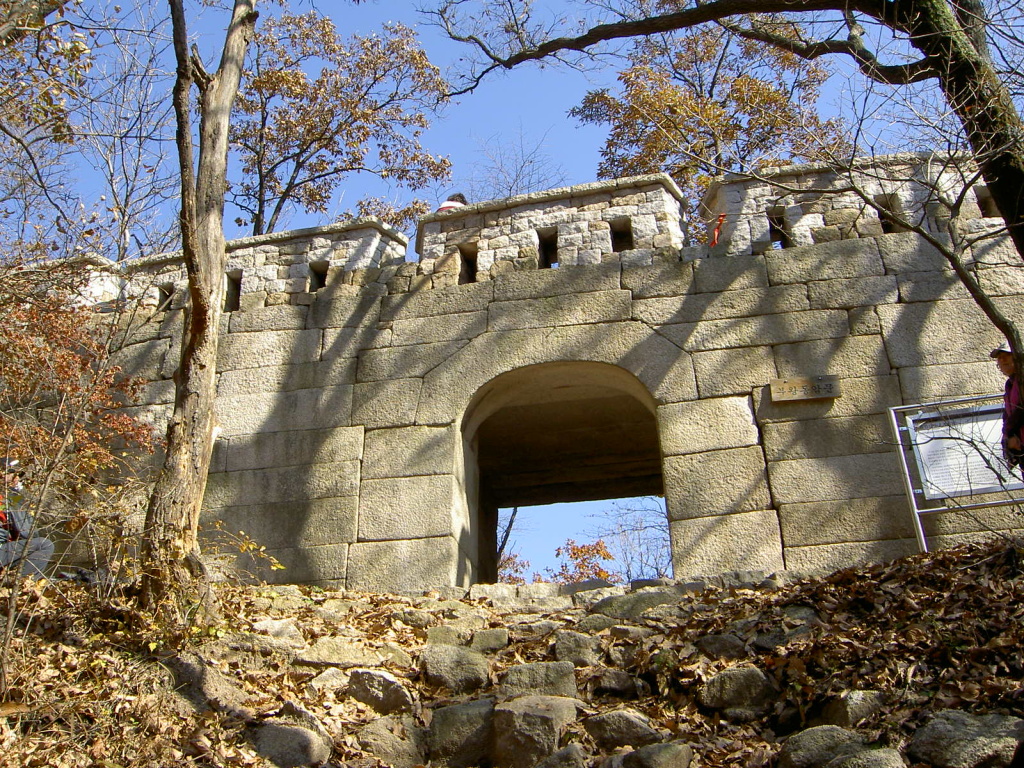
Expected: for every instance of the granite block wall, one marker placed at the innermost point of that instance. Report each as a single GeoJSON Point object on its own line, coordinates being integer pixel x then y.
{"type": "Point", "coordinates": [373, 410]}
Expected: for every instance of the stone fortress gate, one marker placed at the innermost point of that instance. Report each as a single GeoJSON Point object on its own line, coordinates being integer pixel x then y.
{"type": "Point", "coordinates": [566, 345]}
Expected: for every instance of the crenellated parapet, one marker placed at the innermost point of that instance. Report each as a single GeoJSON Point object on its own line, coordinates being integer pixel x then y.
{"type": "Point", "coordinates": [631, 221]}
{"type": "Point", "coordinates": [802, 205]}
{"type": "Point", "coordinates": [281, 268]}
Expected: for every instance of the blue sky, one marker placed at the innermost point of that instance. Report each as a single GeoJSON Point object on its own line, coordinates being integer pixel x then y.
{"type": "Point", "coordinates": [536, 99]}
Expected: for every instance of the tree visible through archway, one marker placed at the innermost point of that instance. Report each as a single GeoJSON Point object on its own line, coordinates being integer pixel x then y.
{"type": "Point", "coordinates": [633, 531]}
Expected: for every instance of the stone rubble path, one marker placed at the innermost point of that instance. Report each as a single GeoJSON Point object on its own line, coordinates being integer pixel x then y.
{"type": "Point", "coordinates": [517, 677]}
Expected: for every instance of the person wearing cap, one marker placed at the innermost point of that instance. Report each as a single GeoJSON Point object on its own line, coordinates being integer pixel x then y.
{"type": "Point", "coordinates": [17, 544]}
{"type": "Point", "coordinates": [1013, 406]}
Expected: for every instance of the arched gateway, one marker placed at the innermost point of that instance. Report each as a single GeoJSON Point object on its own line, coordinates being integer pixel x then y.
{"type": "Point", "coordinates": [556, 432]}
{"type": "Point", "coordinates": [566, 345]}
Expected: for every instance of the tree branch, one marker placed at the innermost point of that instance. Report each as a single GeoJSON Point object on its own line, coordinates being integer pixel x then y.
{"type": "Point", "coordinates": [974, 20]}
{"type": "Point", "coordinates": [25, 16]}
{"type": "Point", "coordinates": [713, 11]}
{"type": "Point", "coordinates": [37, 171]}
{"type": "Point", "coordinates": [199, 74]}
{"type": "Point", "coordinates": [853, 46]}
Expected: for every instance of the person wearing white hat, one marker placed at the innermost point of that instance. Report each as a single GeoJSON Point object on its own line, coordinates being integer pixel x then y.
{"type": "Point", "coordinates": [458, 200]}
{"type": "Point", "coordinates": [1013, 406]}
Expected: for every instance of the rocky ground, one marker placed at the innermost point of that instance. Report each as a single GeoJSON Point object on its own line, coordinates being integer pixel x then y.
{"type": "Point", "coordinates": [916, 662]}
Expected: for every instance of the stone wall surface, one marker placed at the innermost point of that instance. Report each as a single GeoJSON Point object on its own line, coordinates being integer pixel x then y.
{"type": "Point", "coordinates": [372, 409]}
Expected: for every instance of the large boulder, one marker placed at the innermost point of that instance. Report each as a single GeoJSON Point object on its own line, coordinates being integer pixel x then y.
{"type": "Point", "coordinates": [852, 707]}
{"type": "Point", "coordinates": [818, 746]}
{"type": "Point", "coordinates": [742, 694]}
{"type": "Point", "coordinates": [343, 652]}
{"type": "Point", "coordinates": [541, 678]}
{"type": "Point", "coordinates": [460, 670]}
{"type": "Point", "coordinates": [292, 739]}
{"type": "Point", "coordinates": [461, 735]}
{"type": "Point", "coordinates": [870, 758]}
{"type": "Point", "coordinates": [622, 728]}
{"type": "Point", "coordinates": [381, 690]}
{"type": "Point", "coordinates": [722, 646]}
{"type": "Point", "coordinates": [528, 729]}
{"type": "Point", "coordinates": [205, 686]}
{"type": "Point", "coordinates": [954, 739]}
{"type": "Point", "coordinates": [282, 629]}
{"type": "Point", "coordinates": [674, 754]}
{"type": "Point", "coordinates": [290, 745]}
{"type": "Point", "coordinates": [632, 605]}
{"type": "Point", "coordinates": [570, 756]}
{"type": "Point", "coordinates": [395, 741]}
{"type": "Point", "coordinates": [579, 649]}
{"type": "Point", "coordinates": [488, 640]}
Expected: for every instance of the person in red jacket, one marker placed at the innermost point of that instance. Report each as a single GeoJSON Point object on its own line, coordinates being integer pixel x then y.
{"type": "Point", "coordinates": [1013, 407]}
{"type": "Point", "coordinates": [17, 544]}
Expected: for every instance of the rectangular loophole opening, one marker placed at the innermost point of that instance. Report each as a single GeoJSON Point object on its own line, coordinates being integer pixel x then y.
{"type": "Point", "coordinates": [233, 291]}
{"type": "Point", "coordinates": [985, 202]}
{"type": "Point", "coordinates": [622, 235]}
{"type": "Point", "coordinates": [547, 248]}
{"type": "Point", "coordinates": [164, 297]}
{"type": "Point", "coordinates": [467, 263]}
{"type": "Point", "coordinates": [888, 209]}
{"type": "Point", "coordinates": [317, 275]}
{"type": "Point", "coordinates": [777, 233]}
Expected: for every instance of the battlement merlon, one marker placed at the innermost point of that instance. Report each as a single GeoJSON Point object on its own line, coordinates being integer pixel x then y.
{"type": "Point", "coordinates": [313, 242]}
{"type": "Point", "coordinates": [618, 220]}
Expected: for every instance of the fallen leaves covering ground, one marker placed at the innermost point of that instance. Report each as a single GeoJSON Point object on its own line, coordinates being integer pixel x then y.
{"type": "Point", "coordinates": [932, 632]}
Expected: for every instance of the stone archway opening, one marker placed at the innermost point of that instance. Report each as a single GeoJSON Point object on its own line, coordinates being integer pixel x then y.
{"type": "Point", "coordinates": [551, 433]}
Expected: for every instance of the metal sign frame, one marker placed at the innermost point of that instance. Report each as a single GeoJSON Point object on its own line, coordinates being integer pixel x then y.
{"type": "Point", "coordinates": [951, 450]}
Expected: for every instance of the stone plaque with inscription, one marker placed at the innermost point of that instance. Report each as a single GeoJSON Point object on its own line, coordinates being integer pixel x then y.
{"type": "Point", "coordinates": [805, 388]}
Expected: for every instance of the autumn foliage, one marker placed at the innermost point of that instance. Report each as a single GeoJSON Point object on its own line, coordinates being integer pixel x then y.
{"type": "Point", "coordinates": [580, 562]}
{"type": "Point", "coordinates": [59, 395]}
{"type": "Point", "coordinates": [577, 562]}
{"type": "Point", "coordinates": [41, 64]}
{"type": "Point", "coordinates": [512, 569]}
{"type": "Point", "coordinates": [316, 108]}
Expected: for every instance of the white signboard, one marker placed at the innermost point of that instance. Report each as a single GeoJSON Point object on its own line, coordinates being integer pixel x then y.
{"type": "Point", "coordinates": [953, 449]}
{"type": "Point", "coordinates": [959, 453]}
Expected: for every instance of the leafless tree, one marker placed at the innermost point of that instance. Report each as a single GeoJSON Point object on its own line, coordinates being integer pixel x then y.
{"type": "Point", "coordinates": [637, 535]}
{"type": "Point", "coordinates": [123, 133]}
{"type": "Point", "coordinates": [512, 165]}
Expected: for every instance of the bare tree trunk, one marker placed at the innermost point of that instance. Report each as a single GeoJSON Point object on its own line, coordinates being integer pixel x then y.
{"type": "Point", "coordinates": [975, 92]}
{"type": "Point", "coordinates": [173, 577]}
